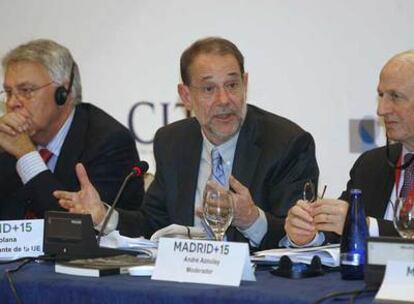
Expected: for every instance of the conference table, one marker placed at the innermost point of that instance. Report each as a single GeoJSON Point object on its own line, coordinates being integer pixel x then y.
{"type": "Point", "coordinates": [38, 283]}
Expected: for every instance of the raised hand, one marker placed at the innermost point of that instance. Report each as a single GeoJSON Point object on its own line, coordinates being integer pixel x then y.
{"type": "Point", "coordinates": [86, 200]}
{"type": "Point", "coordinates": [245, 210]}
{"type": "Point", "coordinates": [299, 223]}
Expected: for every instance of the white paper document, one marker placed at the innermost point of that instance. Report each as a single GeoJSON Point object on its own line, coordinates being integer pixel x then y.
{"type": "Point", "coordinates": [328, 254]}
{"type": "Point", "coordinates": [140, 245]}
{"type": "Point", "coordinates": [179, 231]}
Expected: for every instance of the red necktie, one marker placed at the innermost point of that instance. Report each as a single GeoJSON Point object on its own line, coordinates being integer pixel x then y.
{"type": "Point", "coordinates": [45, 154]}
{"type": "Point", "coordinates": [408, 177]}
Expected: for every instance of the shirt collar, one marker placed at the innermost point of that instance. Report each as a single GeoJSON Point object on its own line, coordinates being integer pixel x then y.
{"type": "Point", "coordinates": [405, 151]}
{"type": "Point", "coordinates": [226, 149]}
{"type": "Point", "coordinates": [55, 145]}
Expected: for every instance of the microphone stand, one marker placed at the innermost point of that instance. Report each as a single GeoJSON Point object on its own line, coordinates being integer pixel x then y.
{"type": "Point", "coordinates": [138, 170]}
{"type": "Point", "coordinates": [112, 208]}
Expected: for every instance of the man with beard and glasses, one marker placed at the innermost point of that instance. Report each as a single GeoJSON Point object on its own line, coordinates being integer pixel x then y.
{"type": "Point", "coordinates": [265, 159]}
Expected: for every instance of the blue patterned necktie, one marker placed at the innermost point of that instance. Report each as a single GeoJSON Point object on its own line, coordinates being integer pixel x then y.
{"type": "Point", "coordinates": [217, 170]}
{"type": "Point", "coordinates": [408, 177]}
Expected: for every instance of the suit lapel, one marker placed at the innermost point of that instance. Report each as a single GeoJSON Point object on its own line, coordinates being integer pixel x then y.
{"type": "Point", "coordinates": [72, 147]}
{"type": "Point", "coordinates": [188, 167]}
{"type": "Point", "coordinates": [245, 161]}
{"type": "Point", "coordinates": [247, 152]}
{"type": "Point", "coordinates": [385, 183]}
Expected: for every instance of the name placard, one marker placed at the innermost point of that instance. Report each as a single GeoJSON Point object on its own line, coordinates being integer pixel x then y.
{"type": "Point", "coordinates": [398, 283]}
{"type": "Point", "coordinates": [209, 262]}
{"type": "Point", "coordinates": [21, 238]}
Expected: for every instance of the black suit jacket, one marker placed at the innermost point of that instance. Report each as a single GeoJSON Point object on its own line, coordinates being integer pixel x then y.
{"type": "Point", "coordinates": [376, 178]}
{"type": "Point", "coordinates": [103, 145]}
{"type": "Point", "coordinates": [274, 158]}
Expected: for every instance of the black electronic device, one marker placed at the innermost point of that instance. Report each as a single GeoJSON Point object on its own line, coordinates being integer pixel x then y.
{"type": "Point", "coordinates": [70, 236]}
{"type": "Point", "coordinates": [288, 269]}
{"type": "Point", "coordinates": [62, 93]}
{"type": "Point", "coordinates": [382, 249]}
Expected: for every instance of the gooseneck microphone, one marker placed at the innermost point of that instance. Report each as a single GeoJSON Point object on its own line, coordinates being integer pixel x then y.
{"type": "Point", "coordinates": [138, 170]}
{"type": "Point", "coordinates": [391, 163]}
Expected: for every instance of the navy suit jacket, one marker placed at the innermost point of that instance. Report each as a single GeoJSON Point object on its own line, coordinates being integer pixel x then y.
{"type": "Point", "coordinates": [274, 158]}
{"type": "Point", "coordinates": [103, 145]}
{"type": "Point", "coordinates": [376, 178]}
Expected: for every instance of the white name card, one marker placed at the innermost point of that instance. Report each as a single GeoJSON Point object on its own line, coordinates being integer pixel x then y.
{"type": "Point", "coordinates": [208, 262]}
{"type": "Point", "coordinates": [398, 283]}
{"type": "Point", "coordinates": [22, 238]}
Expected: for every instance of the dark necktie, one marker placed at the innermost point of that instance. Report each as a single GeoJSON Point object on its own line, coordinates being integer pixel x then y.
{"type": "Point", "coordinates": [217, 170]}
{"type": "Point", "coordinates": [408, 177]}
{"type": "Point", "coordinates": [45, 154]}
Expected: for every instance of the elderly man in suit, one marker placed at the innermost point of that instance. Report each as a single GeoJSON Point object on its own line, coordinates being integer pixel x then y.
{"type": "Point", "coordinates": [265, 158]}
{"type": "Point", "coordinates": [47, 130]}
{"type": "Point", "coordinates": [383, 174]}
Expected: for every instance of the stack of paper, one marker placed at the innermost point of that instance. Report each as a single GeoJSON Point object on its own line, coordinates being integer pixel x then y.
{"type": "Point", "coordinates": [140, 245]}
{"type": "Point", "coordinates": [179, 231]}
{"type": "Point", "coordinates": [328, 254]}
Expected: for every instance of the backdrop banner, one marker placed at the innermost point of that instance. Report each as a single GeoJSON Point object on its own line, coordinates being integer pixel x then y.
{"type": "Point", "coordinates": [314, 62]}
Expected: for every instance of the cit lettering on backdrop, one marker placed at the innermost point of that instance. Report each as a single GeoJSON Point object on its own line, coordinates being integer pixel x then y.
{"type": "Point", "coordinates": [22, 238]}
{"type": "Point", "coordinates": [209, 262]}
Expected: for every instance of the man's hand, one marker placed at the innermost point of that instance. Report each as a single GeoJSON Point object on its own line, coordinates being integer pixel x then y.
{"type": "Point", "coordinates": [13, 123]}
{"type": "Point", "coordinates": [16, 145]}
{"type": "Point", "coordinates": [86, 200]}
{"type": "Point", "coordinates": [245, 210]}
{"type": "Point", "coordinates": [15, 131]}
{"type": "Point", "coordinates": [330, 215]}
{"type": "Point", "coordinates": [299, 223]}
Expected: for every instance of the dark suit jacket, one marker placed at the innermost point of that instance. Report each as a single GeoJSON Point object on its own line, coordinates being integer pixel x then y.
{"type": "Point", "coordinates": [103, 145]}
{"type": "Point", "coordinates": [274, 158]}
{"type": "Point", "coordinates": [372, 174]}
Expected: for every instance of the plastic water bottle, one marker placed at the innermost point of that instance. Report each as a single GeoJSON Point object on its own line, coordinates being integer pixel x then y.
{"type": "Point", "coordinates": [353, 242]}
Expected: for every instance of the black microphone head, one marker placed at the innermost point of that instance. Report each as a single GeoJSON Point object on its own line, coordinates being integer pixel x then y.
{"type": "Point", "coordinates": [140, 168]}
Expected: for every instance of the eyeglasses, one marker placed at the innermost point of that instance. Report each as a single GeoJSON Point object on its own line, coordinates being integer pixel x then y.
{"type": "Point", "coordinates": [209, 90]}
{"type": "Point", "coordinates": [23, 92]}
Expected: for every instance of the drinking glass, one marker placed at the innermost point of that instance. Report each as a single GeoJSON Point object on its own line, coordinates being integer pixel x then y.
{"type": "Point", "coordinates": [217, 210]}
{"type": "Point", "coordinates": [404, 216]}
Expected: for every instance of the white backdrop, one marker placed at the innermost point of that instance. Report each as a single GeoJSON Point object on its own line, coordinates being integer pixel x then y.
{"type": "Point", "coordinates": [315, 62]}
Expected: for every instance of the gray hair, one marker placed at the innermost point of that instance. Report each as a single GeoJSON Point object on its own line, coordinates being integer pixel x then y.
{"type": "Point", "coordinates": [54, 57]}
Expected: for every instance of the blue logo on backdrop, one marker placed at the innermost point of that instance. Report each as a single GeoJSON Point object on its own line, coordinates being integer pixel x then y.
{"type": "Point", "coordinates": [362, 134]}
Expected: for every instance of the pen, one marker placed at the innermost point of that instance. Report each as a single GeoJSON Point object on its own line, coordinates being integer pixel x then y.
{"type": "Point", "coordinates": [323, 192]}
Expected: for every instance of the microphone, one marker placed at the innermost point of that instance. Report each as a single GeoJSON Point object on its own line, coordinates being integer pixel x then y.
{"type": "Point", "coordinates": [393, 165]}
{"type": "Point", "coordinates": [138, 170]}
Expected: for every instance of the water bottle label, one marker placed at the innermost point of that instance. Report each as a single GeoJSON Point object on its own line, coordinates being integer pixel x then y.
{"type": "Point", "coordinates": [351, 259]}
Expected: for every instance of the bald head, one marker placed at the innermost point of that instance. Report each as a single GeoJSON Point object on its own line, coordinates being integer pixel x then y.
{"type": "Point", "coordinates": [402, 60]}
{"type": "Point", "coordinates": [396, 98]}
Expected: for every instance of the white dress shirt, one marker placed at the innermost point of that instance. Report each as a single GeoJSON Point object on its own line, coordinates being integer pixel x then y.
{"type": "Point", "coordinates": [258, 229]}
